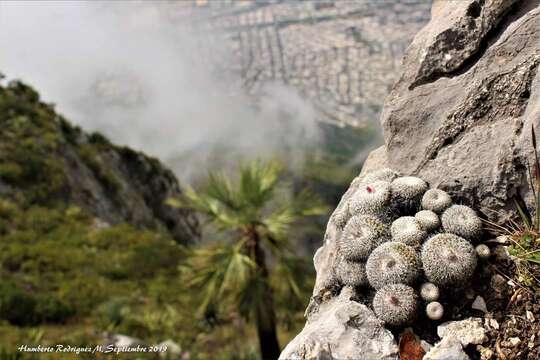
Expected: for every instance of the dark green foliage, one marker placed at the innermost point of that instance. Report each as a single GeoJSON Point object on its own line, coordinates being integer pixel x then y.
{"type": "Point", "coordinates": [23, 308]}
{"type": "Point", "coordinates": [17, 306]}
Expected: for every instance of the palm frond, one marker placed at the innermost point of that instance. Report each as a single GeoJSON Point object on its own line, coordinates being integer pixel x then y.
{"type": "Point", "coordinates": [306, 203]}
{"type": "Point", "coordinates": [219, 188]}
{"type": "Point", "coordinates": [254, 293]}
{"type": "Point", "coordinates": [292, 280]}
{"type": "Point", "coordinates": [218, 273]}
{"type": "Point", "coordinates": [278, 222]}
{"type": "Point", "coordinates": [207, 206]}
{"type": "Point", "coordinates": [258, 181]}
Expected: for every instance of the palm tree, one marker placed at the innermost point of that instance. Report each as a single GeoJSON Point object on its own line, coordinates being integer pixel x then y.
{"type": "Point", "coordinates": [256, 216]}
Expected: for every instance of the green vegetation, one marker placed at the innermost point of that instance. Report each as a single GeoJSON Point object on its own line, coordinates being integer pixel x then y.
{"type": "Point", "coordinates": [237, 275]}
{"type": "Point", "coordinates": [525, 234]}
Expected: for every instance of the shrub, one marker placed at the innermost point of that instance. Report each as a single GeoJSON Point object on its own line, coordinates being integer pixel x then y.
{"type": "Point", "coordinates": [17, 306]}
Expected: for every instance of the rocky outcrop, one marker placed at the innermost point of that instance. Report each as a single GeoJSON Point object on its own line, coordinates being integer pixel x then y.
{"type": "Point", "coordinates": [459, 116]}
{"type": "Point", "coordinates": [342, 329]}
{"type": "Point", "coordinates": [461, 113]}
{"type": "Point", "coordinates": [46, 161]}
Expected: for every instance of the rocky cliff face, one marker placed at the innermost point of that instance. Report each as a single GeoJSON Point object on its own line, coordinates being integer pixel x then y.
{"type": "Point", "coordinates": [459, 117]}
{"type": "Point", "coordinates": [460, 114]}
{"type": "Point", "coordinates": [44, 160]}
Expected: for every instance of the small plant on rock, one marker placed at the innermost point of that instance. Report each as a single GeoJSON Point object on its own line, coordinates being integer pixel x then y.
{"type": "Point", "coordinates": [361, 235]}
{"type": "Point", "coordinates": [408, 230]}
{"type": "Point", "coordinates": [384, 174]}
{"type": "Point", "coordinates": [408, 190]}
{"type": "Point", "coordinates": [429, 292]}
{"type": "Point", "coordinates": [524, 234]}
{"type": "Point", "coordinates": [448, 260]}
{"type": "Point", "coordinates": [392, 263]}
{"type": "Point", "coordinates": [429, 220]}
{"type": "Point", "coordinates": [462, 221]}
{"type": "Point", "coordinates": [351, 273]}
{"type": "Point", "coordinates": [436, 200]}
{"type": "Point", "coordinates": [434, 310]}
{"type": "Point", "coordinates": [372, 198]}
{"type": "Point", "coordinates": [396, 304]}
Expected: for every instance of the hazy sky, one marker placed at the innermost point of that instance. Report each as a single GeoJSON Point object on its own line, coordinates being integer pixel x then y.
{"type": "Point", "coordinates": [124, 69]}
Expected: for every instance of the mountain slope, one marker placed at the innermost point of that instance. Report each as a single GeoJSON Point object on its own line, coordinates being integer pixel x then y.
{"type": "Point", "coordinates": [44, 160]}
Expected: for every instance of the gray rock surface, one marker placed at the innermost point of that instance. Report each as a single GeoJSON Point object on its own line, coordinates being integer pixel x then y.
{"type": "Point", "coordinates": [460, 114]}
{"type": "Point", "coordinates": [468, 331]}
{"type": "Point", "coordinates": [342, 329]}
{"type": "Point", "coordinates": [448, 348]}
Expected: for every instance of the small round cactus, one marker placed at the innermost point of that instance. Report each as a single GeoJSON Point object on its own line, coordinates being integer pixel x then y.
{"type": "Point", "coordinates": [361, 235]}
{"type": "Point", "coordinates": [408, 188]}
{"type": "Point", "coordinates": [351, 273]}
{"type": "Point", "coordinates": [448, 260]}
{"type": "Point", "coordinates": [385, 174]}
{"type": "Point", "coordinates": [429, 221]}
{"type": "Point", "coordinates": [371, 198]}
{"type": "Point", "coordinates": [429, 292]}
{"type": "Point", "coordinates": [436, 200]}
{"type": "Point", "coordinates": [462, 221]}
{"type": "Point", "coordinates": [392, 263]}
{"type": "Point", "coordinates": [396, 304]}
{"type": "Point", "coordinates": [483, 251]}
{"type": "Point", "coordinates": [434, 310]}
{"type": "Point", "coordinates": [408, 230]}
{"type": "Point", "coordinates": [341, 215]}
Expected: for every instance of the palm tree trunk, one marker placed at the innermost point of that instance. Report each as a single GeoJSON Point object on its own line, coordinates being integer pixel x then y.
{"type": "Point", "coordinates": [266, 330]}
{"type": "Point", "coordinates": [265, 312]}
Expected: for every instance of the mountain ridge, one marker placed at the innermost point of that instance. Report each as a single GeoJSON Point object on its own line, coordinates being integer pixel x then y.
{"type": "Point", "coordinates": [45, 160]}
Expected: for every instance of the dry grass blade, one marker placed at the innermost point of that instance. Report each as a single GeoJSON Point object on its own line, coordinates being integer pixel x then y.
{"type": "Point", "coordinates": [537, 175]}
{"type": "Point", "coordinates": [531, 183]}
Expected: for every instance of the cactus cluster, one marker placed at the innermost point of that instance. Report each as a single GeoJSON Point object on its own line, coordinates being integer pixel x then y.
{"type": "Point", "coordinates": [406, 241]}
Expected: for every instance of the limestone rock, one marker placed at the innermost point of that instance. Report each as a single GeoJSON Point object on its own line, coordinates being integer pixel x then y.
{"type": "Point", "coordinates": [468, 331]}
{"type": "Point", "coordinates": [342, 329]}
{"type": "Point", "coordinates": [479, 304]}
{"type": "Point", "coordinates": [448, 348]}
{"type": "Point", "coordinates": [170, 349]}
{"type": "Point", "coordinates": [461, 113]}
